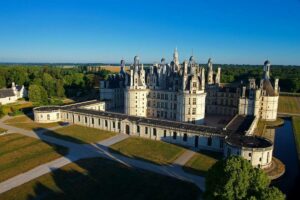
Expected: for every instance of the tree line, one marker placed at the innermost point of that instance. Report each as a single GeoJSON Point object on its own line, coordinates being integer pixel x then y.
{"type": "Point", "coordinates": [289, 76]}
{"type": "Point", "coordinates": [46, 84]}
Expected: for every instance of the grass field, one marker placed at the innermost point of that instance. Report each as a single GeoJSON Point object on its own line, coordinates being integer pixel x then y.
{"type": "Point", "coordinates": [80, 134]}
{"type": "Point", "coordinates": [149, 150]}
{"type": "Point", "coordinates": [27, 123]}
{"type": "Point", "coordinates": [201, 162]}
{"type": "Point", "coordinates": [289, 104]}
{"type": "Point", "coordinates": [8, 108]}
{"type": "Point", "coordinates": [99, 178]}
{"type": "Point", "coordinates": [114, 69]}
{"type": "Point", "coordinates": [20, 153]}
{"type": "Point", "coordinates": [296, 127]}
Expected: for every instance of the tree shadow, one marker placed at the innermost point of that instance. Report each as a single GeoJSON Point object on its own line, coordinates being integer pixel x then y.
{"type": "Point", "coordinates": [101, 178]}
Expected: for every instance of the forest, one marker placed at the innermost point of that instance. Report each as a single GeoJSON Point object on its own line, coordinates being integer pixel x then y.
{"type": "Point", "coordinates": [48, 84]}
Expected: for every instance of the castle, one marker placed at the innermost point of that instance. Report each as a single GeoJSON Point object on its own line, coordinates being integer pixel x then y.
{"type": "Point", "coordinates": [180, 104]}
{"type": "Point", "coordinates": [185, 92]}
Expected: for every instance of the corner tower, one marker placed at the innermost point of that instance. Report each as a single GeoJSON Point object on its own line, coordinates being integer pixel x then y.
{"type": "Point", "coordinates": [136, 91]}
{"type": "Point", "coordinates": [192, 94]}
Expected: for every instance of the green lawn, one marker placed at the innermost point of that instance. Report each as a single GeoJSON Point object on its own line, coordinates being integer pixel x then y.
{"type": "Point", "coordinates": [201, 162]}
{"type": "Point", "coordinates": [289, 104]}
{"type": "Point", "coordinates": [99, 178]}
{"type": "Point", "coordinates": [149, 150]}
{"type": "Point", "coordinates": [80, 134]}
{"type": "Point", "coordinates": [27, 123]}
{"type": "Point", "coordinates": [262, 124]}
{"type": "Point", "coordinates": [20, 153]}
{"type": "Point", "coordinates": [296, 127]}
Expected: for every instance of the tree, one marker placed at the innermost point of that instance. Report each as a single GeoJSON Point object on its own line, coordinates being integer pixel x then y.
{"type": "Point", "coordinates": [235, 178]}
{"type": "Point", "coordinates": [38, 94]}
{"type": "Point", "coordinates": [2, 81]}
{"type": "Point", "coordinates": [60, 91]}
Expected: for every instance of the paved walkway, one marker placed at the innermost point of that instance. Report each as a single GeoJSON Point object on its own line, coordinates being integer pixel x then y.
{"type": "Point", "coordinates": [186, 156]}
{"type": "Point", "coordinates": [99, 149]}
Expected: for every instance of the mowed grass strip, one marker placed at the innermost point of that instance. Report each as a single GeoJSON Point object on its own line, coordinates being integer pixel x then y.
{"type": "Point", "coordinates": [99, 178]}
{"type": "Point", "coordinates": [19, 154]}
{"type": "Point", "coordinates": [296, 127]}
{"type": "Point", "coordinates": [200, 163]}
{"type": "Point", "coordinates": [289, 104]}
{"type": "Point", "coordinates": [80, 134]}
{"type": "Point", "coordinates": [149, 150]}
{"type": "Point", "coordinates": [27, 123]}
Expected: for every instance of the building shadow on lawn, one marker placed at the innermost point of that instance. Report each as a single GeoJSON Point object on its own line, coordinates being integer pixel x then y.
{"type": "Point", "coordinates": [100, 178]}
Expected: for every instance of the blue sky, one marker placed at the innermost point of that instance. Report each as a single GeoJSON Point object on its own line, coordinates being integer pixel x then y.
{"type": "Point", "coordinates": [232, 31]}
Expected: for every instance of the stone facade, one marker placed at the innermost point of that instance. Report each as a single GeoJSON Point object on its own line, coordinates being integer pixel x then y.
{"type": "Point", "coordinates": [185, 92]}
{"type": "Point", "coordinates": [198, 137]}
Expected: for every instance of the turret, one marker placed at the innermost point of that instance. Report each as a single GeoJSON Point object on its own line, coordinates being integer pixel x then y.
{"type": "Point", "coordinates": [210, 72]}
{"type": "Point", "coordinates": [218, 76]}
{"type": "Point", "coordinates": [276, 86]}
{"type": "Point", "coordinates": [122, 71]}
{"type": "Point", "coordinates": [267, 66]}
{"type": "Point", "coordinates": [175, 57]}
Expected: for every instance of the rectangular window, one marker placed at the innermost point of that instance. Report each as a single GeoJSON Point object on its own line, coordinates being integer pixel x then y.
{"type": "Point", "coordinates": [174, 135]}
{"type": "Point", "coordinates": [114, 124]}
{"type": "Point", "coordinates": [193, 121]}
{"type": "Point", "coordinates": [138, 129]}
{"type": "Point", "coordinates": [106, 123]}
{"type": "Point", "coordinates": [165, 133]}
{"type": "Point", "coordinates": [185, 137]}
{"type": "Point", "coordinates": [92, 120]}
{"type": "Point", "coordinates": [194, 111]}
{"type": "Point", "coordinates": [154, 131]}
{"type": "Point", "coordinates": [79, 118]}
{"type": "Point", "coordinates": [119, 125]}
{"type": "Point", "coordinates": [194, 101]}
{"type": "Point", "coordinates": [209, 141]}
{"type": "Point", "coordinates": [194, 84]}
{"type": "Point", "coordinates": [99, 122]}
{"type": "Point", "coordinates": [146, 130]}
{"type": "Point", "coordinates": [85, 119]}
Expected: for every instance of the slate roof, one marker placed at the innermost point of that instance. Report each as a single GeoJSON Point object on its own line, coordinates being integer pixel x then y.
{"type": "Point", "coordinates": [6, 92]}
{"type": "Point", "coordinates": [268, 87]}
{"type": "Point", "coordinates": [248, 141]}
